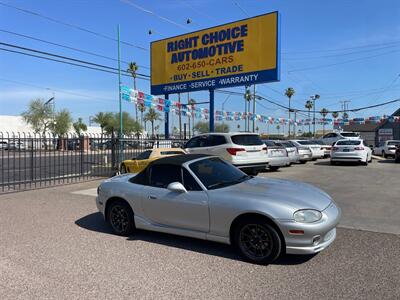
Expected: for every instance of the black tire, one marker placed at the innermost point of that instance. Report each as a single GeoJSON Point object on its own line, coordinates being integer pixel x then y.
{"type": "Point", "coordinates": [364, 163]}
{"type": "Point", "coordinates": [274, 168]}
{"type": "Point", "coordinates": [384, 154]}
{"type": "Point", "coordinates": [397, 160]}
{"type": "Point", "coordinates": [250, 245]}
{"type": "Point", "coordinates": [252, 172]}
{"type": "Point", "coordinates": [123, 169]}
{"type": "Point", "coordinates": [314, 159]}
{"type": "Point", "coordinates": [303, 162]}
{"type": "Point", "coordinates": [120, 217]}
{"type": "Point", "coordinates": [333, 162]}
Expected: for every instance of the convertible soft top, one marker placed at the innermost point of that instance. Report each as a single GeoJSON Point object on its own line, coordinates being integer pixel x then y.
{"type": "Point", "coordinates": [177, 159]}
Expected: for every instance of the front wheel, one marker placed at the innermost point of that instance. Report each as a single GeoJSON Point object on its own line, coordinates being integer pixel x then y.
{"type": "Point", "coordinates": [303, 162]}
{"type": "Point", "coordinates": [384, 154]}
{"type": "Point", "coordinates": [257, 241]}
{"type": "Point", "coordinates": [120, 216]}
{"type": "Point", "coordinates": [273, 168]}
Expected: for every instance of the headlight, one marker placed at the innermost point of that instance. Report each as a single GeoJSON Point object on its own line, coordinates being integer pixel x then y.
{"type": "Point", "coordinates": [307, 216]}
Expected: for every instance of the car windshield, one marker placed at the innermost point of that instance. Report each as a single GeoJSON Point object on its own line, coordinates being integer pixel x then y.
{"type": "Point", "coordinates": [269, 143]}
{"type": "Point", "coordinates": [247, 139]}
{"type": "Point", "coordinates": [394, 143]}
{"type": "Point", "coordinates": [348, 143]}
{"type": "Point", "coordinates": [349, 134]}
{"type": "Point", "coordinates": [215, 173]}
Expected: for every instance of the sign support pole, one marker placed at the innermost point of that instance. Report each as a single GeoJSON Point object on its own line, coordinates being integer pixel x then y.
{"type": "Point", "coordinates": [211, 112]}
{"type": "Point", "coordinates": [166, 118]}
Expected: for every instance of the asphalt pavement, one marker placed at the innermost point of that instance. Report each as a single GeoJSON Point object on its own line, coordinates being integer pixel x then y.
{"type": "Point", "coordinates": [54, 245]}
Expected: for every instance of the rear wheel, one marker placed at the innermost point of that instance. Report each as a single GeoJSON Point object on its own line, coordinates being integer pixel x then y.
{"type": "Point", "coordinates": [257, 241]}
{"type": "Point", "coordinates": [120, 216]}
{"type": "Point", "coordinates": [365, 163]}
{"type": "Point", "coordinates": [384, 154]}
{"type": "Point", "coordinates": [397, 160]}
{"type": "Point", "coordinates": [273, 168]}
{"type": "Point", "coordinates": [123, 169]}
{"type": "Point", "coordinates": [303, 162]}
{"type": "Point", "coordinates": [333, 162]}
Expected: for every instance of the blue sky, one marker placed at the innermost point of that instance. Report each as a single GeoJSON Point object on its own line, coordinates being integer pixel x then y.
{"type": "Point", "coordinates": [318, 40]}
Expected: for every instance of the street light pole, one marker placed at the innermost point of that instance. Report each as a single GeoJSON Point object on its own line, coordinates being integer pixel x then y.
{"type": "Point", "coordinates": [120, 99]}
{"type": "Point", "coordinates": [313, 98]}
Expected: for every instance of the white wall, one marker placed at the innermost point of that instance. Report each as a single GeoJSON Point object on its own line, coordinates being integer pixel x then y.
{"type": "Point", "coordinates": [17, 124]}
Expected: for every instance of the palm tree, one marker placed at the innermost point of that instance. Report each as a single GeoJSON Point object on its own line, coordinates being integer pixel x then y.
{"type": "Point", "coordinates": [142, 109]}
{"type": "Point", "coordinates": [132, 68]}
{"type": "Point", "coordinates": [278, 127]}
{"type": "Point", "coordinates": [152, 116]}
{"type": "Point", "coordinates": [289, 92]}
{"type": "Point", "coordinates": [323, 112]}
{"type": "Point", "coordinates": [103, 120]}
{"type": "Point", "coordinates": [238, 126]}
{"type": "Point", "coordinates": [345, 115]}
{"type": "Point", "coordinates": [335, 114]}
{"type": "Point", "coordinates": [309, 105]}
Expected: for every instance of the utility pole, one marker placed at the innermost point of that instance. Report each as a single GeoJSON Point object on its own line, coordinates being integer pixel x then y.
{"type": "Point", "coordinates": [294, 123]}
{"type": "Point", "coordinates": [345, 105]}
{"type": "Point", "coordinates": [313, 98]}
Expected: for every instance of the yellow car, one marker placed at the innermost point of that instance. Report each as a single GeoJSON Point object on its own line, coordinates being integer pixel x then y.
{"type": "Point", "coordinates": [146, 157]}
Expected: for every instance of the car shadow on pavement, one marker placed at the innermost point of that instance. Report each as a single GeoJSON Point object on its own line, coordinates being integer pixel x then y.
{"type": "Point", "coordinates": [95, 222]}
{"type": "Point", "coordinates": [386, 161]}
{"type": "Point", "coordinates": [345, 164]}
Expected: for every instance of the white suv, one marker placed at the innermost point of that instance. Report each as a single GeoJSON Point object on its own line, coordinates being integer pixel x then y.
{"type": "Point", "coordinates": [244, 150]}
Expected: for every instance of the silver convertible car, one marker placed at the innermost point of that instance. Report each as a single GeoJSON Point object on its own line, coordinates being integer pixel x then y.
{"type": "Point", "coordinates": [205, 197]}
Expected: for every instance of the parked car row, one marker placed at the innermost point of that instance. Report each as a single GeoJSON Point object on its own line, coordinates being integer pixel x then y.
{"type": "Point", "coordinates": [242, 149]}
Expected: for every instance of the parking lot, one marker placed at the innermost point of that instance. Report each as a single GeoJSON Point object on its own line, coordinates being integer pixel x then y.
{"type": "Point", "coordinates": [55, 245]}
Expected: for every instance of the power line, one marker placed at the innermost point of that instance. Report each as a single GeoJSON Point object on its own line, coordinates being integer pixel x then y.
{"type": "Point", "coordinates": [341, 63]}
{"type": "Point", "coordinates": [26, 11]}
{"type": "Point", "coordinates": [66, 58]}
{"type": "Point", "coordinates": [127, 2]}
{"type": "Point", "coordinates": [56, 90]}
{"type": "Point", "coordinates": [66, 47]}
{"type": "Point", "coordinates": [241, 8]}
{"type": "Point", "coordinates": [343, 49]}
{"type": "Point", "coordinates": [66, 62]}
{"type": "Point", "coordinates": [306, 111]}
{"type": "Point", "coordinates": [342, 54]}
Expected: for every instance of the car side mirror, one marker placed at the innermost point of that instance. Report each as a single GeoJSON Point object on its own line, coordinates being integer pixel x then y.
{"type": "Point", "coordinates": [176, 187]}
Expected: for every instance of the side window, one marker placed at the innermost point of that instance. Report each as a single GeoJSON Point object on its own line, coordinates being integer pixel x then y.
{"type": "Point", "coordinates": [189, 182]}
{"type": "Point", "coordinates": [215, 140]}
{"type": "Point", "coordinates": [144, 155]}
{"type": "Point", "coordinates": [192, 143]}
{"type": "Point", "coordinates": [203, 141]}
{"type": "Point", "coordinates": [162, 175]}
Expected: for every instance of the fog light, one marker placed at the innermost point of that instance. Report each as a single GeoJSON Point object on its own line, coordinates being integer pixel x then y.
{"type": "Point", "coordinates": [316, 240]}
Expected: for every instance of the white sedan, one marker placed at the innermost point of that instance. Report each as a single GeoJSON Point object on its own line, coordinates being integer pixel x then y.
{"type": "Point", "coordinates": [387, 148]}
{"type": "Point", "coordinates": [351, 151]}
{"type": "Point", "coordinates": [316, 150]}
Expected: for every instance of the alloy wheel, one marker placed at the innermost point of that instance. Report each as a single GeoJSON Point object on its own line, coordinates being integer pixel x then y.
{"type": "Point", "coordinates": [119, 218]}
{"type": "Point", "coordinates": [255, 241]}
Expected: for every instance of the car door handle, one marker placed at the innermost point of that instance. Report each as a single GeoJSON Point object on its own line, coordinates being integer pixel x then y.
{"type": "Point", "coordinates": [152, 197]}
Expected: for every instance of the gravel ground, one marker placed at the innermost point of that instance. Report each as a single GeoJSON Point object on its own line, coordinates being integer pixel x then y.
{"type": "Point", "coordinates": [55, 246]}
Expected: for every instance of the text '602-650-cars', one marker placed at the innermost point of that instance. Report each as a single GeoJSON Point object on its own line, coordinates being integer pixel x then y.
{"type": "Point", "coordinates": [205, 197]}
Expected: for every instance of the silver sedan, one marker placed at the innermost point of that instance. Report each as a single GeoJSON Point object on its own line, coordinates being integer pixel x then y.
{"type": "Point", "coordinates": [205, 197]}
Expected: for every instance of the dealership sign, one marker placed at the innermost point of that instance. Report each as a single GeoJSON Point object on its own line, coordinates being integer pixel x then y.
{"type": "Point", "coordinates": [240, 53]}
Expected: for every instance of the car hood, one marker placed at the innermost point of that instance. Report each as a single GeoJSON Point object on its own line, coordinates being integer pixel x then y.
{"type": "Point", "coordinates": [292, 193]}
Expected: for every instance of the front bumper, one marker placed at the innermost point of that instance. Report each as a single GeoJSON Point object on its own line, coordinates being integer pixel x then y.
{"type": "Point", "coordinates": [317, 236]}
